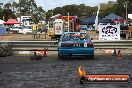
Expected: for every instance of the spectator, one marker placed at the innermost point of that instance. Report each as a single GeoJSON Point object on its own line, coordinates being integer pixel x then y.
{"type": "Point", "coordinates": [42, 29]}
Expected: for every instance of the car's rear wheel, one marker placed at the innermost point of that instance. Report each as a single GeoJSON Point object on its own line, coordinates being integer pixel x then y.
{"type": "Point", "coordinates": [91, 57]}
{"type": "Point", "coordinates": [60, 57]}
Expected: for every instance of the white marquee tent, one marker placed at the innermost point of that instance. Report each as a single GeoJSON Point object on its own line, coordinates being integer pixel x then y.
{"type": "Point", "coordinates": [1, 21]}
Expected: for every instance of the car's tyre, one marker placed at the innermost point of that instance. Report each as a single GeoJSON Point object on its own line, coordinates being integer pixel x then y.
{"type": "Point", "coordinates": [91, 57]}
{"type": "Point", "coordinates": [60, 57]}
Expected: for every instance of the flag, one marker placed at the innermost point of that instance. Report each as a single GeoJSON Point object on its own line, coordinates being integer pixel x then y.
{"type": "Point", "coordinates": [96, 20]}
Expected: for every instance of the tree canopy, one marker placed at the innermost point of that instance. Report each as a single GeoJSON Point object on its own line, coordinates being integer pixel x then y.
{"type": "Point", "coordinates": [24, 7]}
{"type": "Point", "coordinates": [118, 7]}
{"type": "Point", "coordinates": [29, 7]}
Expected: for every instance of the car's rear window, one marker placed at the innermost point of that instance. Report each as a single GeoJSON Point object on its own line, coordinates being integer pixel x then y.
{"type": "Point", "coordinates": [75, 36]}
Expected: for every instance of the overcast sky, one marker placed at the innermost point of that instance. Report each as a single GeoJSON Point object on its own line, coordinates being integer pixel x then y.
{"type": "Point", "coordinates": [51, 4]}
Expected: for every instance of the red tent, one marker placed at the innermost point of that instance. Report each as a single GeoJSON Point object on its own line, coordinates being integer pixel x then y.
{"type": "Point", "coordinates": [12, 21]}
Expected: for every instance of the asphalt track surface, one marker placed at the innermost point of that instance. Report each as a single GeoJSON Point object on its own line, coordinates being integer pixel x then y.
{"type": "Point", "coordinates": [21, 72]}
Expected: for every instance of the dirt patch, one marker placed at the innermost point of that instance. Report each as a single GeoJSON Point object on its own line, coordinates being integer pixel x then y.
{"type": "Point", "coordinates": [16, 37]}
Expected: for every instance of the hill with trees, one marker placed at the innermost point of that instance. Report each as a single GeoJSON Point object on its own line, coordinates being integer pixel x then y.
{"type": "Point", "coordinates": [29, 7]}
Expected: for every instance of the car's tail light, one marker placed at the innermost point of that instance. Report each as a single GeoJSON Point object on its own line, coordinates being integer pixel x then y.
{"type": "Point", "coordinates": [89, 44]}
{"type": "Point", "coordinates": [46, 52]}
{"type": "Point", "coordinates": [63, 45]}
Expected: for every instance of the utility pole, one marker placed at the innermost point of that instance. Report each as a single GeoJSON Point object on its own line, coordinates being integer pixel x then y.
{"type": "Point", "coordinates": [126, 5]}
{"type": "Point", "coordinates": [68, 23]}
{"type": "Point", "coordinates": [20, 10]}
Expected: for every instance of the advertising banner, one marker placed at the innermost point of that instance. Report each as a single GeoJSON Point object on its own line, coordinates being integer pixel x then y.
{"type": "Point", "coordinates": [109, 32]}
{"type": "Point", "coordinates": [58, 28]}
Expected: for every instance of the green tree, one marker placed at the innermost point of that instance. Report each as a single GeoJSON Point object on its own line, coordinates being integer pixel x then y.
{"type": "Point", "coordinates": [38, 14]}
{"type": "Point", "coordinates": [107, 8]}
{"type": "Point", "coordinates": [15, 6]}
{"type": "Point", "coordinates": [7, 6]}
{"type": "Point", "coordinates": [58, 10]}
{"type": "Point", "coordinates": [121, 7]}
{"type": "Point", "coordinates": [78, 10]}
{"type": "Point", "coordinates": [29, 7]}
{"type": "Point", "coordinates": [1, 13]}
{"type": "Point", "coordinates": [49, 13]}
{"type": "Point", "coordinates": [7, 13]}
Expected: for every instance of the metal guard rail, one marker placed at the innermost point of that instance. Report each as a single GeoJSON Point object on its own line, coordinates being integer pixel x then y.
{"type": "Point", "coordinates": [49, 45]}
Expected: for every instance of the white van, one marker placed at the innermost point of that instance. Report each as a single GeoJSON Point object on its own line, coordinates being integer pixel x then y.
{"type": "Point", "coordinates": [26, 29]}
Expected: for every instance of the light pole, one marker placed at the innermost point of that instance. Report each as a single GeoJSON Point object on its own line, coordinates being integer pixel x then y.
{"type": "Point", "coordinates": [126, 5]}
{"type": "Point", "coordinates": [68, 21]}
{"type": "Point", "coordinates": [20, 10]}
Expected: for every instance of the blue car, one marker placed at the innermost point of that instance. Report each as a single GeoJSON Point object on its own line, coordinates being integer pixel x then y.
{"type": "Point", "coordinates": [75, 44]}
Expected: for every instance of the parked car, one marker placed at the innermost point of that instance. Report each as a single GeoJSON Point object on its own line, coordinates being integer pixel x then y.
{"type": "Point", "coordinates": [16, 29]}
{"type": "Point", "coordinates": [83, 28]}
{"type": "Point", "coordinates": [26, 29]}
{"type": "Point", "coordinates": [75, 44]}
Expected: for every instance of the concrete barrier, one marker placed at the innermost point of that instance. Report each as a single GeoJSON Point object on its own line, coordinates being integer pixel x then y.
{"type": "Point", "coordinates": [96, 52]}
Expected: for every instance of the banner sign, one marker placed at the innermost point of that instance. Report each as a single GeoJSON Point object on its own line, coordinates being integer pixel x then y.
{"type": "Point", "coordinates": [58, 28]}
{"type": "Point", "coordinates": [109, 32]}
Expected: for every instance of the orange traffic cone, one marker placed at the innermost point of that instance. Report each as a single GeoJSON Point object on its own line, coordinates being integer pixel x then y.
{"type": "Point", "coordinates": [119, 55]}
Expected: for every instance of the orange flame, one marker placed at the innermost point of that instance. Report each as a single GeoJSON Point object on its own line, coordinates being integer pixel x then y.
{"type": "Point", "coordinates": [81, 71]}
